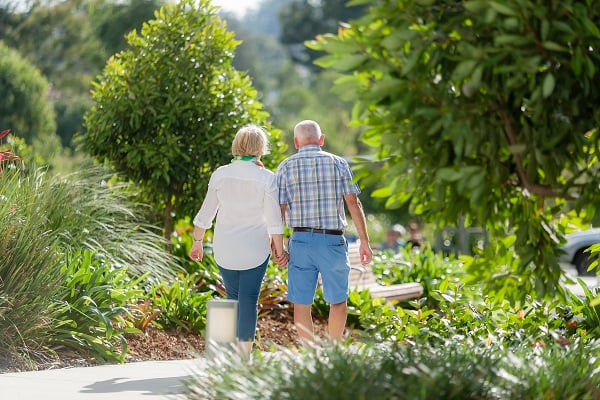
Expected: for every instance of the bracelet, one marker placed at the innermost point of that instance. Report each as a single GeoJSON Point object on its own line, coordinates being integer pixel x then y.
{"type": "Point", "coordinates": [197, 240]}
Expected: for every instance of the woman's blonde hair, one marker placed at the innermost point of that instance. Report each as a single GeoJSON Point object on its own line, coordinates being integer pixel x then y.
{"type": "Point", "coordinates": [250, 140]}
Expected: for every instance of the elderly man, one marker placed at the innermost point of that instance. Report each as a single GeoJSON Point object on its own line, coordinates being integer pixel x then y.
{"type": "Point", "coordinates": [313, 186]}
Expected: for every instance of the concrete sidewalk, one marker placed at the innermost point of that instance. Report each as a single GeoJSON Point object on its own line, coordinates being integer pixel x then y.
{"type": "Point", "coordinates": [139, 380]}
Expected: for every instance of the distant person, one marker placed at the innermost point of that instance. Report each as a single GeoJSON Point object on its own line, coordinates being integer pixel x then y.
{"type": "Point", "coordinates": [415, 238]}
{"type": "Point", "coordinates": [313, 187]}
{"type": "Point", "coordinates": [243, 197]}
{"type": "Point", "coordinates": [393, 239]}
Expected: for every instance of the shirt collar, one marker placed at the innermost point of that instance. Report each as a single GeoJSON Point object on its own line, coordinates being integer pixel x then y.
{"type": "Point", "coordinates": [309, 148]}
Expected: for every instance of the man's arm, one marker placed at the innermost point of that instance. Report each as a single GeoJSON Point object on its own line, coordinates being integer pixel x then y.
{"type": "Point", "coordinates": [360, 222]}
{"type": "Point", "coordinates": [283, 209]}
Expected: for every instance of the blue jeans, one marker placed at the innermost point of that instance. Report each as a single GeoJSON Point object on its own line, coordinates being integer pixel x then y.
{"type": "Point", "coordinates": [244, 286]}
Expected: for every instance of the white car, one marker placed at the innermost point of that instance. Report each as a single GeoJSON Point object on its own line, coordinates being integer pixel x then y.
{"type": "Point", "coordinates": [577, 243]}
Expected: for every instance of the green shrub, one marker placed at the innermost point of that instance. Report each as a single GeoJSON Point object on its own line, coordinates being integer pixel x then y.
{"type": "Point", "coordinates": [426, 267]}
{"type": "Point", "coordinates": [91, 309]}
{"type": "Point", "coordinates": [454, 370]}
{"type": "Point", "coordinates": [454, 310]}
{"type": "Point", "coordinates": [183, 303]}
{"type": "Point", "coordinates": [585, 312]}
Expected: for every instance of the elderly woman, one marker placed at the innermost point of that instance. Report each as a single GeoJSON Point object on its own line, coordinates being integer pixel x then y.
{"type": "Point", "coordinates": [243, 197]}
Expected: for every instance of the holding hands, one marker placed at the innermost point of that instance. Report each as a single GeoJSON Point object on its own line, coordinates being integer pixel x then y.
{"type": "Point", "coordinates": [279, 254]}
{"type": "Point", "coordinates": [281, 259]}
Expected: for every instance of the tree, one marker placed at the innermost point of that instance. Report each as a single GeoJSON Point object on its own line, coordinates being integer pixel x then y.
{"type": "Point", "coordinates": [69, 41]}
{"type": "Point", "coordinates": [58, 39]}
{"type": "Point", "coordinates": [166, 109]}
{"type": "Point", "coordinates": [113, 20]}
{"type": "Point", "coordinates": [24, 107]}
{"type": "Point", "coordinates": [481, 108]}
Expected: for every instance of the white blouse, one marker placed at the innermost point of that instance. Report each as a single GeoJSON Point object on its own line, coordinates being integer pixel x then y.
{"type": "Point", "coordinates": [243, 196]}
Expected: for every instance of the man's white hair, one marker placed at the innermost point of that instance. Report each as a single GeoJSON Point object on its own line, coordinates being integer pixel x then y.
{"type": "Point", "coordinates": [307, 130]}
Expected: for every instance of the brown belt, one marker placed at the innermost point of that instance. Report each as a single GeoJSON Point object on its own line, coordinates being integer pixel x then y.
{"type": "Point", "coordinates": [323, 231]}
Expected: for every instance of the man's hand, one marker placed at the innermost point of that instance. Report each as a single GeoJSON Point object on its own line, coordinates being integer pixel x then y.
{"type": "Point", "coordinates": [366, 253]}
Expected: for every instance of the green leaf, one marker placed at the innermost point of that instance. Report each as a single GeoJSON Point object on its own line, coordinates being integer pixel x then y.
{"type": "Point", "coordinates": [334, 45]}
{"type": "Point", "coordinates": [548, 85]}
{"type": "Point", "coordinates": [348, 63]}
{"type": "Point", "coordinates": [384, 89]}
{"type": "Point", "coordinates": [395, 40]}
{"type": "Point", "coordinates": [545, 28]}
{"type": "Point", "coordinates": [412, 61]}
{"type": "Point", "coordinates": [553, 46]}
{"type": "Point", "coordinates": [502, 9]}
{"type": "Point", "coordinates": [475, 7]}
{"type": "Point", "coordinates": [354, 297]}
{"type": "Point", "coordinates": [448, 174]}
{"type": "Point", "coordinates": [591, 67]}
{"type": "Point", "coordinates": [463, 69]}
{"type": "Point", "coordinates": [476, 76]}
{"type": "Point", "coordinates": [381, 192]}
{"type": "Point", "coordinates": [576, 62]}
{"type": "Point", "coordinates": [513, 40]}
{"type": "Point", "coordinates": [591, 27]}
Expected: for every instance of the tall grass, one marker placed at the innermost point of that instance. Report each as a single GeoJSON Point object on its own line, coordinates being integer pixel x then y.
{"type": "Point", "coordinates": [43, 218]}
{"type": "Point", "coordinates": [96, 212]}
{"type": "Point", "coordinates": [29, 271]}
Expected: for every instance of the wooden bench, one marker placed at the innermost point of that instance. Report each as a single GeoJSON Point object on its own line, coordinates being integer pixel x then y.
{"type": "Point", "coordinates": [362, 278]}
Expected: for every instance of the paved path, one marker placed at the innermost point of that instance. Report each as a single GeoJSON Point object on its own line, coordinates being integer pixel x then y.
{"type": "Point", "coordinates": [132, 381]}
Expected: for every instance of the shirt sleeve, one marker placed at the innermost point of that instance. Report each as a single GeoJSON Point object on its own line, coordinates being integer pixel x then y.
{"type": "Point", "coordinates": [208, 211]}
{"type": "Point", "coordinates": [280, 184]}
{"type": "Point", "coordinates": [348, 186]}
{"type": "Point", "coordinates": [272, 209]}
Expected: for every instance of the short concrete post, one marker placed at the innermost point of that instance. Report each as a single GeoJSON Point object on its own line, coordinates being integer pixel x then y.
{"type": "Point", "coordinates": [221, 325]}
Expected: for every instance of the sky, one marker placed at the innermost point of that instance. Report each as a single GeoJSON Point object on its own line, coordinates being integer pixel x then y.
{"type": "Point", "coordinates": [237, 6]}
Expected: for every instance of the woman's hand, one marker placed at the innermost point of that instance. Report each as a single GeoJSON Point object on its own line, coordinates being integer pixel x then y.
{"type": "Point", "coordinates": [281, 259]}
{"type": "Point", "coordinates": [278, 253]}
{"type": "Point", "coordinates": [197, 251]}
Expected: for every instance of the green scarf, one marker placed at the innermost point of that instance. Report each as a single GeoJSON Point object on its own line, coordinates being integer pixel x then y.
{"type": "Point", "coordinates": [244, 158]}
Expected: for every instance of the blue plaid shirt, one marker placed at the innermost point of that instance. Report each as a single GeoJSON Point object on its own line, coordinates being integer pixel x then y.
{"type": "Point", "coordinates": [312, 183]}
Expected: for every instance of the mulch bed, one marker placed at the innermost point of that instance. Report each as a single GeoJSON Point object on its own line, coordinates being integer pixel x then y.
{"type": "Point", "coordinates": [274, 328]}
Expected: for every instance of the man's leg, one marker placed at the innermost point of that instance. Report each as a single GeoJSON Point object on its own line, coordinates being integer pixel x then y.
{"type": "Point", "coordinates": [303, 321]}
{"type": "Point", "coordinates": [337, 321]}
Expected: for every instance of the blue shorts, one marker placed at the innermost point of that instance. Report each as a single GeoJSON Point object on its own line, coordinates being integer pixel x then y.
{"type": "Point", "coordinates": [314, 253]}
